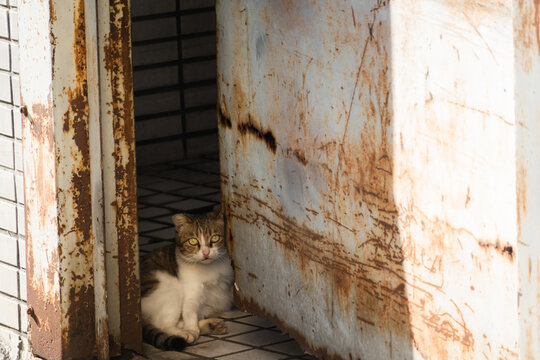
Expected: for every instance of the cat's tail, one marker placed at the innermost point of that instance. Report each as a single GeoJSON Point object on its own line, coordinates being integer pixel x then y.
{"type": "Point", "coordinates": [161, 340]}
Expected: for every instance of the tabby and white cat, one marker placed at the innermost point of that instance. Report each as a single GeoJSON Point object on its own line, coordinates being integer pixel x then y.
{"type": "Point", "coordinates": [186, 284]}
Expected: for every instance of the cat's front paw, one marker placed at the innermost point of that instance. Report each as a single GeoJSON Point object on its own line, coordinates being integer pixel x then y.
{"type": "Point", "coordinates": [190, 335]}
{"type": "Point", "coordinates": [213, 326]}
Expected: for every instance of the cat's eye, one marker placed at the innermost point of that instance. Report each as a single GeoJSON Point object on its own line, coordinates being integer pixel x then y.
{"type": "Point", "coordinates": [193, 242]}
{"type": "Point", "coordinates": [215, 238]}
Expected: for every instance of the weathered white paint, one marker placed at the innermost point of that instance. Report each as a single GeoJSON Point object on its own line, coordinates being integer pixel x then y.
{"type": "Point", "coordinates": [36, 79]}
{"type": "Point", "coordinates": [68, 106]}
{"type": "Point", "coordinates": [383, 223]}
{"type": "Point", "coordinates": [527, 113]}
{"type": "Point", "coordinates": [454, 149]}
{"type": "Point", "coordinates": [96, 179]}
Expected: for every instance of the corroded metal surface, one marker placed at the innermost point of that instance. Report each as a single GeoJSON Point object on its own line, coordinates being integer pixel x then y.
{"type": "Point", "coordinates": [71, 99]}
{"type": "Point", "coordinates": [58, 216]}
{"type": "Point", "coordinates": [118, 136]}
{"type": "Point", "coordinates": [96, 182]}
{"type": "Point", "coordinates": [362, 143]}
{"type": "Point", "coordinates": [527, 94]}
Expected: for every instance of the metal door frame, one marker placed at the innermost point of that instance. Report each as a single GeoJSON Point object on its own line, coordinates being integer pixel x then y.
{"type": "Point", "coordinates": [80, 180]}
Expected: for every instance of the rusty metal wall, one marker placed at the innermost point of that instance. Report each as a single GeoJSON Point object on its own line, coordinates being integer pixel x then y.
{"type": "Point", "coordinates": [369, 173]}
{"type": "Point", "coordinates": [76, 87]}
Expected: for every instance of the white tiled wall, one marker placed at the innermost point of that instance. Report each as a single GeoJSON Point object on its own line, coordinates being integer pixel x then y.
{"type": "Point", "coordinates": [13, 319]}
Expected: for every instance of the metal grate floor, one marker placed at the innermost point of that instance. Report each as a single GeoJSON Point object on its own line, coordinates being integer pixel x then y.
{"type": "Point", "coordinates": [194, 185]}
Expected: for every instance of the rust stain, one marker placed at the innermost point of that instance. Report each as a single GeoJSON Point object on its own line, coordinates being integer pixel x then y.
{"type": "Point", "coordinates": [266, 136]}
{"type": "Point", "coordinates": [376, 303]}
{"type": "Point", "coordinates": [30, 311]}
{"type": "Point", "coordinates": [298, 154]}
{"type": "Point", "coordinates": [527, 32]}
{"type": "Point", "coordinates": [80, 312]}
{"type": "Point", "coordinates": [117, 54]}
{"type": "Point", "coordinates": [44, 329]}
{"type": "Point", "coordinates": [79, 337]}
{"type": "Point", "coordinates": [224, 120]}
{"type": "Point", "coordinates": [506, 250]}
{"type": "Point", "coordinates": [536, 23]}
{"type": "Point", "coordinates": [368, 282]}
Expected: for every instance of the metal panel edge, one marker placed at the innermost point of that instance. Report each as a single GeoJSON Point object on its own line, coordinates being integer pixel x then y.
{"type": "Point", "coordinates": [527, 108]}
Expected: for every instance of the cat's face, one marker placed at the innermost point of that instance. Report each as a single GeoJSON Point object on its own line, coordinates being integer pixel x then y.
{"type": "Point", "coordinates": [200, 237]}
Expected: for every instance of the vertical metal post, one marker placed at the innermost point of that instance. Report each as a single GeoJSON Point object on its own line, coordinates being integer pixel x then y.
{"type": "Point", "coordinates": [61, 225]}
{"type": "Point", "coordinates": [96, 179]}
{"type": "Point", "coordinates": [76, 87]}
{"type": "Point", "coordinates": [120, 189]}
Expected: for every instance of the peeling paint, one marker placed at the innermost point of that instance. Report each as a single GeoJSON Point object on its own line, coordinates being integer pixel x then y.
{"type": "Point", "coordinates": [120, 181]}
{"type": "Point", "coordinates": [63, 179]}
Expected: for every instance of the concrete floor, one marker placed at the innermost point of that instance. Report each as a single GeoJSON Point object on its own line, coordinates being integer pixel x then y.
{"type": "Point", "coordinates": [186, 186]}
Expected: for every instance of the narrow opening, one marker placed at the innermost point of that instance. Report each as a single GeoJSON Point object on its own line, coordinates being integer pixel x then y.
{"type": "Point", "coordinates": [174, 65]}
{"type": "Point", "coordinates": [174, 69]}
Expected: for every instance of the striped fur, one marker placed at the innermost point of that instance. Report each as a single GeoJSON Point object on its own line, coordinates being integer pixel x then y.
{"type": "Point", "coordinates": [159, 339]}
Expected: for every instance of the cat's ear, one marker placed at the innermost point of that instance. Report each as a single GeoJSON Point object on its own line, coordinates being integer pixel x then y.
{"type": "Point", "coordinates": [179, 220]}
{"type": "Point", "coordinates": [217, 213]}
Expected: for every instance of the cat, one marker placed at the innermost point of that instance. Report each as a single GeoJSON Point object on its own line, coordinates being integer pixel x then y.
{"type": "Point", "coordinates": [186, 284]}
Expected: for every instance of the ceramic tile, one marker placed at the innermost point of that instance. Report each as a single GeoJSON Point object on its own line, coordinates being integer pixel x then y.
{"type": "Point", "coordinates": [166, 186]}
{"type": "Point", "coordinates": [257, 321]}
{"type": "Point", "coordinates": [189, 204]}
{"type": "Point", "coordinates": [216, 197]}
{"type": "Point", "coordinates": [145, 226]}
{"type": "Point", "coordinates": [155, 354]}
{"type": "Point", "coordinates": [289, 347]}
{"type": "Point", "coordinates": [235, 328]}
{"type": "Point", "coordinates": [153, 211]}
{"type": "Point", "coordinates": [204, 338]}
{"type": "Point", "coordinates": [194, 191]}
{"type": "Point", "coordinates": [160, 199]}
{"type": "Point", "coordinates": [215, 348]}
{"type": "Point", "coordinates": [165, 234]}
{"type": "Point", "coordinates": [196, 178]}
{"type": "Point", "coordinates": [147, 179]}
{"type": "Point", "coordinates": [254, 354]}
{"type": "Point", "coordinates": [144, 192]}
{"type": "Point", "coordinates": [153, 246]}
{"type": "Point", "coordinates": [234, 314]}
{"type": "Point", "coordinates": [260, 338]}
{"type": "Point", "coordinates": [214, 184]}
{"type": "Point", "coordinates": [143, 240]}
{"type": "Point", "coordinates": [166, 219]}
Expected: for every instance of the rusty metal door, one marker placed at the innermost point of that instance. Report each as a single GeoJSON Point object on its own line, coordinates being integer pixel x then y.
{"type": "Point", "coordinates": [79, 175]}
{"type": "Point", "coordinates": [371, 176]}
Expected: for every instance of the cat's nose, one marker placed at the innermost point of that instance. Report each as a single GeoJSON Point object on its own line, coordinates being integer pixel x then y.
{"type": "Point", "coordinates": [206, 252]}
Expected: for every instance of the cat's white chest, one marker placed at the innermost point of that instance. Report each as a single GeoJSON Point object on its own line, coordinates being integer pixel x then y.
{"type": "Point", "coordinates": [212, 283]}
